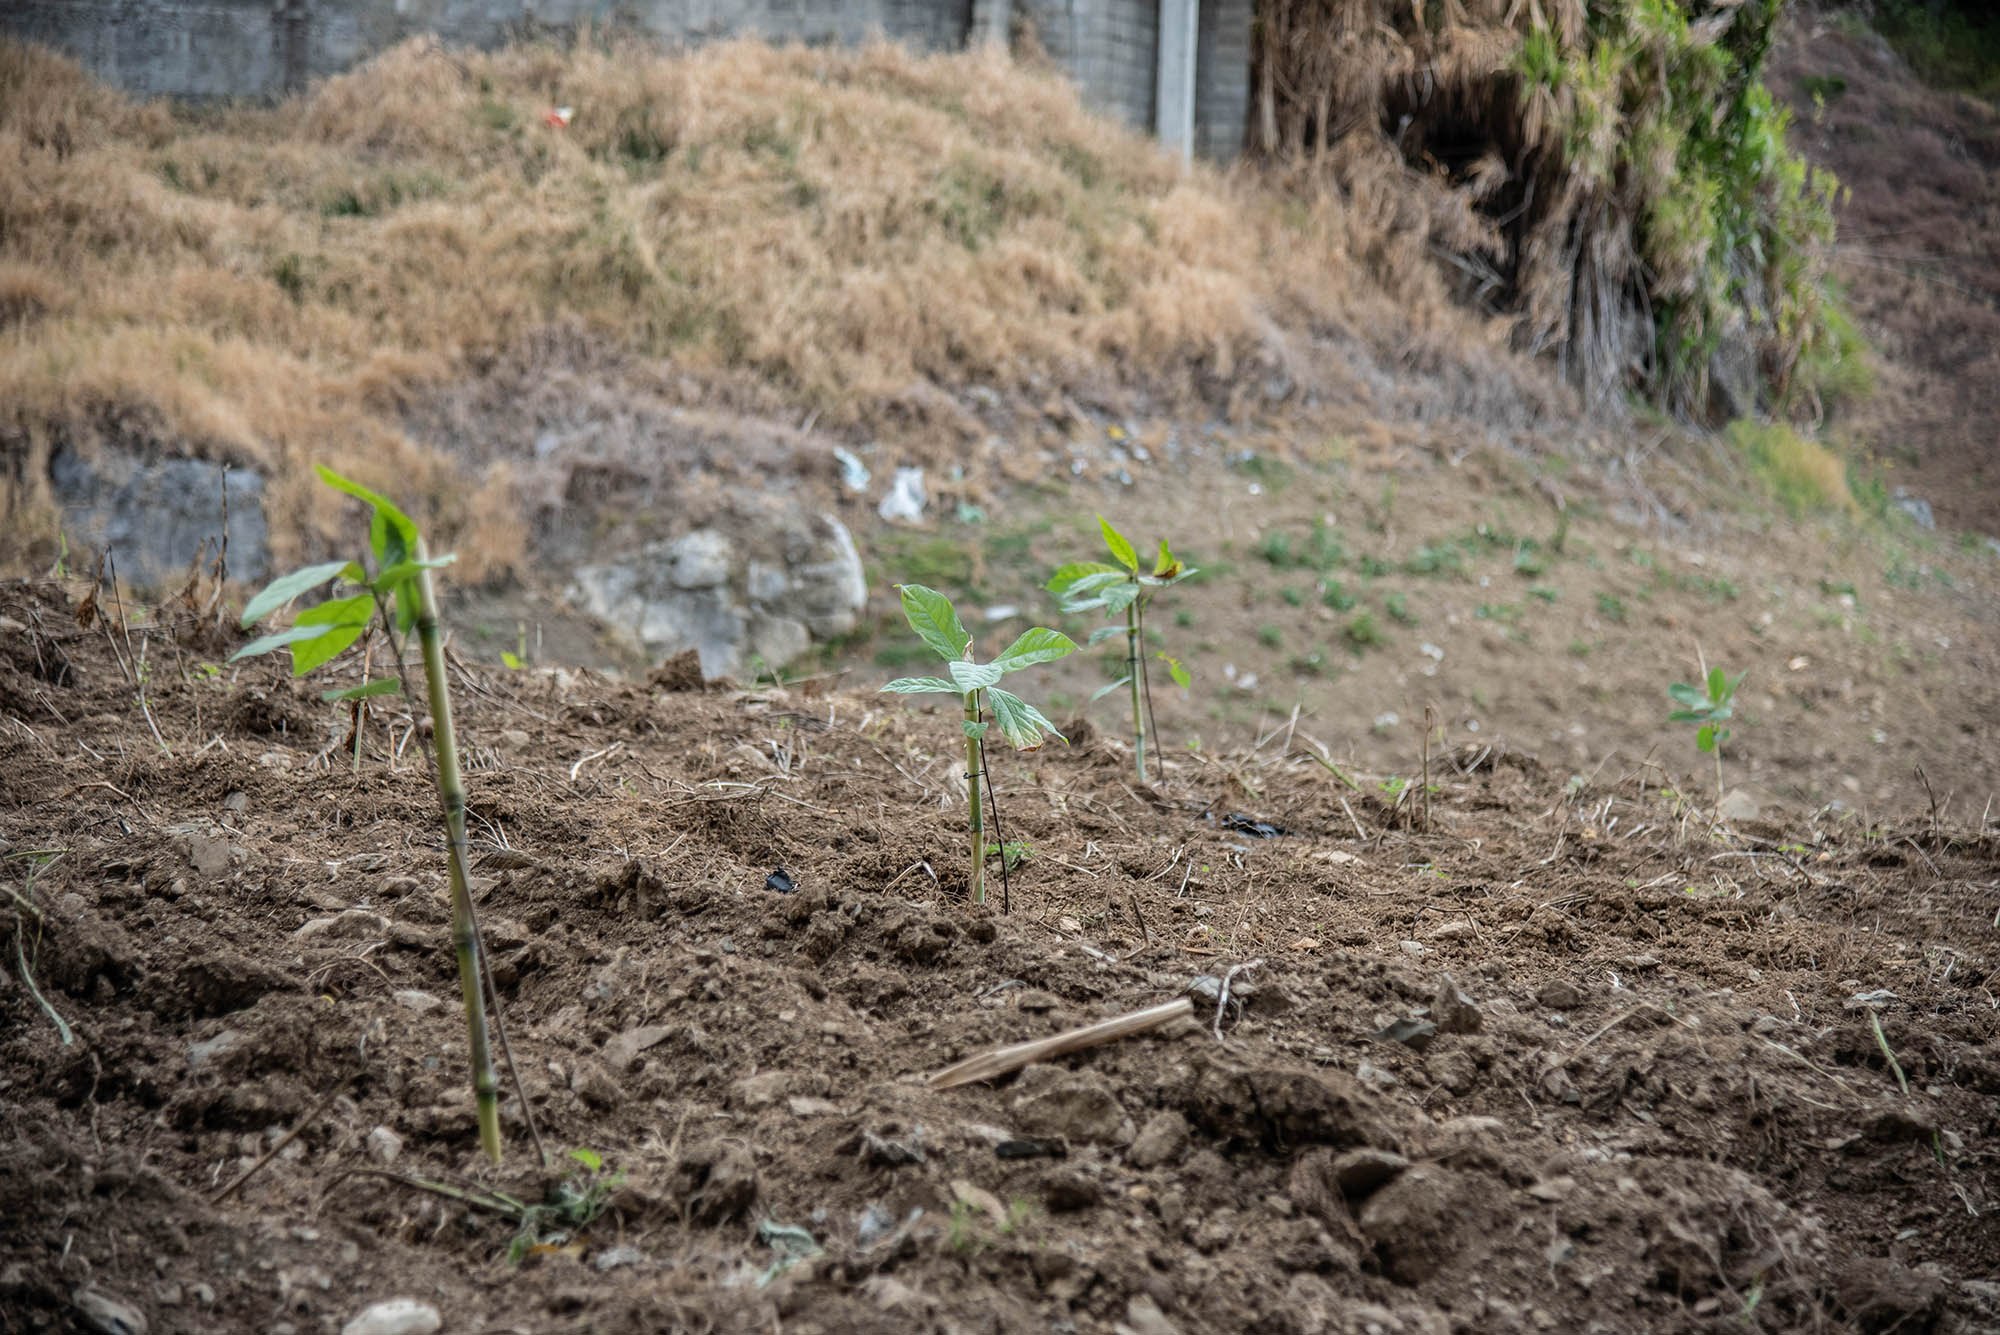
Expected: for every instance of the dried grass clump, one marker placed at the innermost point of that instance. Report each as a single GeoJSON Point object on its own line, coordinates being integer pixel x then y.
{"type": "Point", "coordinates": [277, 287]}
{"type": "Point", "coordinates": [1611, 177]}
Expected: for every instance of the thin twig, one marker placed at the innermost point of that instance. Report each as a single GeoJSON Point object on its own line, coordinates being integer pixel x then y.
{"type": "Point", "coordinates": [312, 1115]}
{"type": "Point", "coordinates": [1002, 1061]}
{"type": "Point", "coordinates": [1222, 994]}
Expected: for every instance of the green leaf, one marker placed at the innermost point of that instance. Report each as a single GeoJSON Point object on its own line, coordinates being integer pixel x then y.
{"type": "Point", "coordinates": [1103, 633]}
{"type": "Point", "coordinates": [1120, 545]}
{"type": "Point", "coordinates": [287, 587]}
{"type": "Point", "coordinates": [1067, 575]}
{"type": "Point", "coordinates": [975, 731]}
{"type": "Point", "coordinates": [380, 686]}
{"type": "Point", "coordinates": [1175, 670]}
{"type": "Point", "coordinates": [1718, 685]}
{"type": "Point", "coordinates": [391, 533]}
{"type": "Point", "coordinates": [1020, 722]}
{"type": "Point", "coordinates": [1686, 695]}
{"type": "Point", "coordinates": [921, 686]}
{"type": "Point", "coordinates": [931, 616]}
{"type": "Point", "coordinates": [1688, 716]}
{"type": "Point", "coordinates": [1120, 596]}
{"type": "Point", "coordinates": [264, 644]}
{"type": "Point", "coordinates": [396, 574]}
{"type": "Point", "coordinates": [1103, 691]}
{"type": "Point", "coordinates": [1166, 567]}
{"type": "Point", "coordinates": [1088, 591]}
{"type": "Point", "coordinates": [1037, 645]}
{"type": "Point", "coordinates": [345, 620]}
{"type": "Point", "coordinates": [590, 1159]}
{"type": "Point", "coordinates": [973, 676]}
{"type": "Point", "coordinates": [511, 660]}
{"type": "Point", "coordinates": [1705, 739]}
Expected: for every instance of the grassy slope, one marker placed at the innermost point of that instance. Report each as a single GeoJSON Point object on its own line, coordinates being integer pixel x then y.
{"type": "Point", "coordinates": [272, 286]}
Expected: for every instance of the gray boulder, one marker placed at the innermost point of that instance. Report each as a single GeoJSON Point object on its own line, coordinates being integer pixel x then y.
{"type": "Point", "coordinates": [153, 513]}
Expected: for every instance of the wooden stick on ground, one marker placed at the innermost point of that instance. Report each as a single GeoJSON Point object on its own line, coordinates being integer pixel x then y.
{"type": "Point", "coordinates": [1002, 1061]}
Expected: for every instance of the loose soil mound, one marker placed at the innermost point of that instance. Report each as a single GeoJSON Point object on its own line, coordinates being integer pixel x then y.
{"type": "Point", "coordinates": [1638, 1085]}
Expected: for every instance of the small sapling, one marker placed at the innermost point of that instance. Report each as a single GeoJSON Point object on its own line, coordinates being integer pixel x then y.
{"type": "Point", "coordinates": [1708, 707]}
{"type": "Point", "coordinates": [398, 596]}
{"type": "Point", "coordinates": [1123, 589]}
{"type": "Point", "coordinates": [977, 685]}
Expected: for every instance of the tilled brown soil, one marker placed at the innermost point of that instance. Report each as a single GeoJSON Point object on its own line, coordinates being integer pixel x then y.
{"type": "Point", "coordinates": [1653, 1099]}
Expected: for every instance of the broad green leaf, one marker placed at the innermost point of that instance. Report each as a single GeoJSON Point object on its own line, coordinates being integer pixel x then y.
{"type": "Point", "coordinates": [931, 616]}
{"type": "Point", "coordinates": [510, 660]}
{"type": "Point", "coordinates": [1038, 645]}
{"type": "Point", "coordinates": [1103, 691]}
{"type": "Point", "coordinates": [345, 620]}
{"type": "Point", "coordinates": [287, 587]}
{"type": "Point", "coordinates": [1067, 575]}
{"type": "Point", "coordinates": [1103, 633]}
{"type": "Point", "coordinates": [1088, 591]}
{"type": "Point", "coordinates": [264, 644]}
{"type": "Point", "coordinates": [590, 1159]}
{"type": "Point", "coordinates": [1718, 684]}
{"type": "Point", "coordinates": [1020, 722]}
{"type": "Point", "coordinates": [1175, 670]}
{"type": "Point", "coordinates": [391, 533]}
{"type": "Point", "coordinates": [973, 676]}
{"type": "Point", "coordinates": [1705, 739]}
{"type": "Point", "coordinates": [1120, 545]}
{"type": "Point", "coordinates": [1688, 716]}
{"type": "Point", "coordinates": [408, 605]}
{"type": "Point", "coordinates": [1166, 567]}
{"type": "Point", "coordinates": [1120, 596]}
{"type": "Point", "coordinates": [380, 686]}
{"type": "Point", "coordinates": [1685, 694]}
{"type": "Point", "coordinates": [973, 730]}
{"type": "Point", "coordinates": [921, 686]}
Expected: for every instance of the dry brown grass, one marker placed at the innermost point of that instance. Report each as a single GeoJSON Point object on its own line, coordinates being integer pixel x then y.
{"type": "Point", "coordinates": [271, 286]}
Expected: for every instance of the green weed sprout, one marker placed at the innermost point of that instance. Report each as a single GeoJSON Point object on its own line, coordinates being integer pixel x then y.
{"type": "Point", "coordinates": [1708, 712]}
{"type": "Point", "coordinates": [400, 598]}
{"type": "Point", "coordinates": [976, 685]}
{"type": "Point", "coordinates": [1126, 588]}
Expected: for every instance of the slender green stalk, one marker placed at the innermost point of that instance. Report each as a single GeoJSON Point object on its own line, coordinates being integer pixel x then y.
{"type": "Point", "coordinates": [451, 792]}
{"type": "Point", "coordinates": [972, 748]}
{"type": "Point", "coordinates": [1132, 667]}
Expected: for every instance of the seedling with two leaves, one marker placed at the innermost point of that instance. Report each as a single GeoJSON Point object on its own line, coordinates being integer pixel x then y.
{"type": "Point", "coordinates": [1124, 590]}
{"type": "Point", "coordinates": [1708, 707]}
{"type": "Point", "coordinates": [398, 596]}
{"type": "Point", "coordinates": [977, 685]}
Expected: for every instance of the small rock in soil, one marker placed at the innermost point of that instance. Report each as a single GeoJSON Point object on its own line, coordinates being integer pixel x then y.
{"type": "Point", "coordinates": [101, 1312]}
{"type": "Point", "coordinates": [718, 1180]}
{"type": "Point", "coordinates": [1066, 1191]}
{"type": "Point", "coordinates": [1556, 1084]}
{"type": "Point", "coordinates": [1374, 1077]}
{"type": "Point", "coordinates": [1898, 1122]}
{"type": "Point", "coordinates": [208, 1050]}
{"type": "Point", "coordinates": [763, 1090]}
{"type": "Point", "coordinates": [384, 1145]}
{"type": "Point", "coordinates": [1075, 1108]}
{"type": "Point", "coordinates": [1558, 995]}
{"type": "Point", "coordinates": [1144, 1317]}
{"type": "Point", "coordinates": [613, 1257]}
{"type": "Point", "coordinates": [1453, 1011]}
{"type": "Point", "coordinates": [410, 999]}
{"type": "Point", "coordinates": [1413, 1034]}
{"type": "Point", "coordinates": [1412, 1222]}
{"type": "Point", "coordinates": [889, 1153]}
{"type": "Point", "coordinates": [1160, 1141]}
{"type": "Point", "coordinates": [621, 1050]}
{"type": "Point", "coordinates": [398, 1316]}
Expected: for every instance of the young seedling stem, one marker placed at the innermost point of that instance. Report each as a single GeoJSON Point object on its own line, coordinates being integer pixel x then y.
{"type": "Point", "coordinates": [976, 684]}
{"type": "Point", "coordinates": [451, 792]}
{"type": "Point", "coordinates": [1124, 588]}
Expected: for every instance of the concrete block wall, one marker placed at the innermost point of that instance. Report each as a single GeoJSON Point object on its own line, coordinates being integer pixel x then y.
{"type": "Point", "coordinates": [267, 48]}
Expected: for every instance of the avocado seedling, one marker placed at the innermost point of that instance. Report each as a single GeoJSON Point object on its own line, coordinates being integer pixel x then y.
{"type": "Point", "coordinates": [397, 596]}
{"type": "Point", "coordinates": [1124, 589]}
{"type": "Point", "coordinates": [1707, 707]}
{"type": "Point", "coordinates": [976, 685]}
